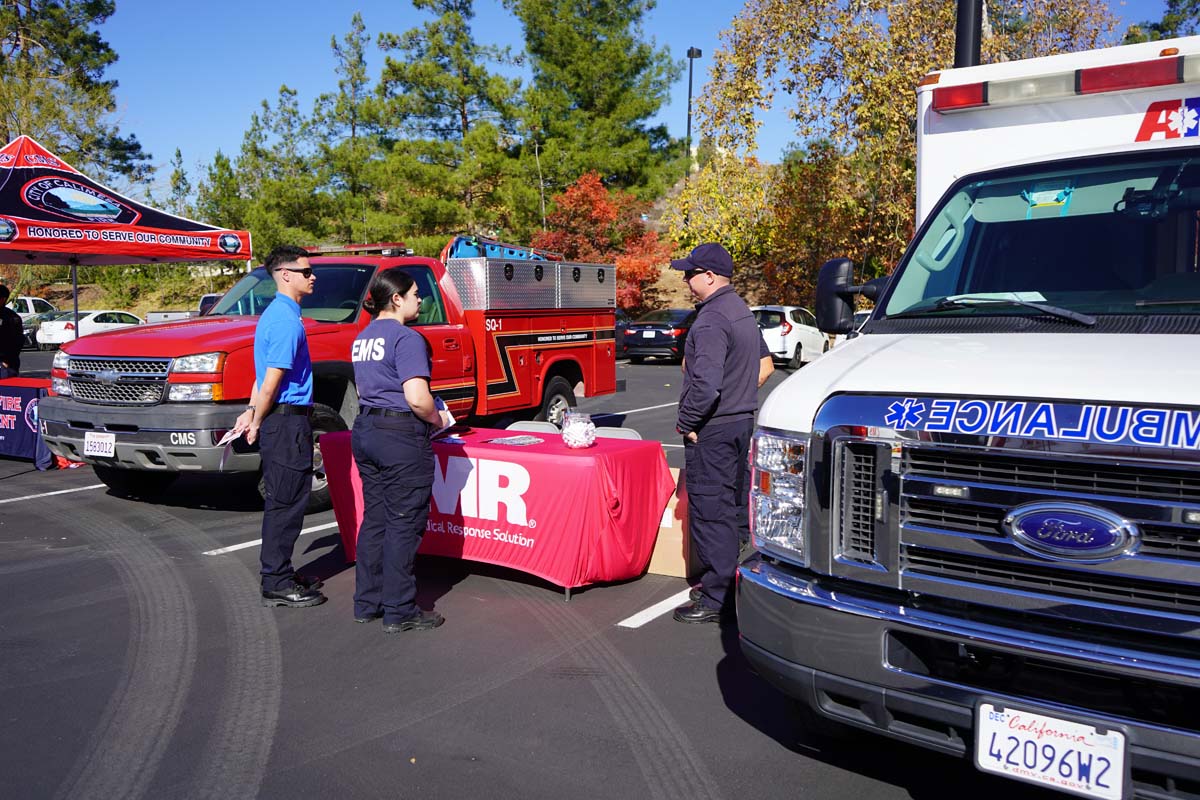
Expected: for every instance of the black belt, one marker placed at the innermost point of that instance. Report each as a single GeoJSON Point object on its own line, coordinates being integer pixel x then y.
{"type": "Point", "coordinates": [291, 410]}
{"type": "Point", "coordinates": [386, 412]}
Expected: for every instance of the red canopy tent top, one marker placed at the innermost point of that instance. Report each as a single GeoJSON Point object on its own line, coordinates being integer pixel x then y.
{"type": "Point", "coordinates": [50, 213]}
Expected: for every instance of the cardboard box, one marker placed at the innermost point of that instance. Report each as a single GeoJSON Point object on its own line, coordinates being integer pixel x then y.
{"type": "Point", "coordinates": [672, 553]}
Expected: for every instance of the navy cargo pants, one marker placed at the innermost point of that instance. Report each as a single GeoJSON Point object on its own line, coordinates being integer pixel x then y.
{"type": "Point", "coordinates": [718, 489]}
{"type": "Point", "coordinates": [286, 447]}
{"type": "Point", "coordinates": [395, 460]}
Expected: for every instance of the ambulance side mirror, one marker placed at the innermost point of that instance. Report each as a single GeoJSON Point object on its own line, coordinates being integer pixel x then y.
{"type": "Point", "coordinates": [835, 305]}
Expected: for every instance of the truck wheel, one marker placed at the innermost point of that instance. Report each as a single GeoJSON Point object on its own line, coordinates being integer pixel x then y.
{"type": "Point", "coordinates": [134, 482]}
{"type": "Point", "coordinates": [797, 359]}
{"type": "Point", "coordinates": [324, 420]}
{"type": "Point", "coordinates": [557, 400]}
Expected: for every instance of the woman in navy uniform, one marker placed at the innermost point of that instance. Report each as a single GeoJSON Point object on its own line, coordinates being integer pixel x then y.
{"type": "Point", "coordinates": [391, 443]}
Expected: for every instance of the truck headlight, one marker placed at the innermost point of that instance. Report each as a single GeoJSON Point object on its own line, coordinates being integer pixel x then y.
{"type": "Point", "coordinates": [204, 362]}
{"type": "Point", "coordinates": [190, 392]}
{"type": "Point", "coordinates": [61, 360]}
{"type": "Point", "coordinates": [60, 386]}
{"type": "Point", "coordinates": [777, 492]}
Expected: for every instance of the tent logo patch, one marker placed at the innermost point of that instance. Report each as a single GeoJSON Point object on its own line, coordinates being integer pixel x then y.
{"type": "Point", "coordinates": [229, 242]}
{"type": "Point", "coordinates": [8, 230]}
{"type": "Point", "coordinates": [73, 200]}
{"type": "Point", "coordinates": [6, 159]}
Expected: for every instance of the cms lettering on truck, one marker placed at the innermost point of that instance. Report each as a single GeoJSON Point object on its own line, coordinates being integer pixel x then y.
{"type": "Point", "coordinates": [511, 331]}
{"type": "Point", "coordinates": [978, 524]}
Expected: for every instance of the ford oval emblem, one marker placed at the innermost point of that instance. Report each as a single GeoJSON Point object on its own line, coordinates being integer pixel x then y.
{"type": "Point", "coordinates": [1071, 531]}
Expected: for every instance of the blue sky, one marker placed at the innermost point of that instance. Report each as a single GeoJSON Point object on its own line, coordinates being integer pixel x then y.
{"type": "Point", "coordinates": [191, 74]}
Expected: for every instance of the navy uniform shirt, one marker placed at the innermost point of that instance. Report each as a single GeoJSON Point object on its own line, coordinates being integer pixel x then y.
{"type": "Point", "coordinates": [723, 350]}
{"type": "Point", "coordinates": [386, 354]}
{"type": "Point", "coordinates": [279, 341]}
{"type": "Point", "coordinates": [12, 337]}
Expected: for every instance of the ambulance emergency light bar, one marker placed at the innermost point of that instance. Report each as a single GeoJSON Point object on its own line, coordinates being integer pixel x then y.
{"type": "Point", "coordinates": [1167, 69]}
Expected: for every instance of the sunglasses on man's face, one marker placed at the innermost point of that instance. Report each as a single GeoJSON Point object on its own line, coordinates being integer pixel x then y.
{"type": "Point", "coordinates": [306, 272]}
{"type": "Point", "coordinates": [691, 273]}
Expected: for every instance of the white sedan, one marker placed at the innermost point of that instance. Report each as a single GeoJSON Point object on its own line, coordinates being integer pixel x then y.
{"type": "Point", "coordinates": [791, 334]}
{"type": "Point", "coordinates": [62, 330]}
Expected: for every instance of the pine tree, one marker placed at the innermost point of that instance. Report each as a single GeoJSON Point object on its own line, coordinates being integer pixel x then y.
{"type": "Point", "coordinates": [52, 86]}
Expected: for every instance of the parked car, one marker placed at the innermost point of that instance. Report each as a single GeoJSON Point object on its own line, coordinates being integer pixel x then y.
{"type": "Point", "coordinates": [207, 301]}
{"type": "Point", "coordinates": [32, 323]}
{"type": "Point", "coordinates": [28, 306]}
{"type": "Point", "coordinates": [658, 334]}
{"type": "Point", "coordinates": [791, 334]}
{"type": "Point", "coordinates": [62, 330]}
{"type": "Point", "coordinates": [860, 319]}
{"type": "Point", "coordinates": [622, 324]}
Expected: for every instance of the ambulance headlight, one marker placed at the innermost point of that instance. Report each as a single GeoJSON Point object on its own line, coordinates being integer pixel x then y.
{"type": "Point", "coordinates": [777, 472]}
{"type": "Point", "coordinates": [195, 392]}
{"type": "Point", "coordinates": [61, 360]}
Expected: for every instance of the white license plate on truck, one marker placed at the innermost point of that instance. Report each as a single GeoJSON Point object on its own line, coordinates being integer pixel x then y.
{"type": "Point", "coordinates": [103, 445]}
{"type": "Point", "coordinates": [1049, 751]}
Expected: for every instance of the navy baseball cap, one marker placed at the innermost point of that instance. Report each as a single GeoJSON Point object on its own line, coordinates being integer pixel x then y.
{"type": "Point", "coordinates": [710, 256]}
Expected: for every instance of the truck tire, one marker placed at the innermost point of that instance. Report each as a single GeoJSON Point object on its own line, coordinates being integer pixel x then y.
{"type": "Point", "coordinates": [557, 400]}
{"type": "Point", "coordinates": [797, 359]}
{"type": "Point", "coordinates": [134, 482]}
{"type": "Point", "coordinates": [324, 420]}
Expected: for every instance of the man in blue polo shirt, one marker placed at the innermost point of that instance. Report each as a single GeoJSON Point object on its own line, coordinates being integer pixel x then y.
{"type": "Point", "coordinates": [279, 416]}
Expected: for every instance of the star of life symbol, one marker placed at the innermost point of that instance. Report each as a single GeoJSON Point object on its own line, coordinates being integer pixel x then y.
{"type": "Point", "coordinates": [1182, 120]}
{"type": "Point", "coordinates": [906, 413]}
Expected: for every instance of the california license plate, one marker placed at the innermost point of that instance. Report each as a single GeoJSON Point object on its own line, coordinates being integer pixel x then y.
{"type": "Point", "coordinates": [102, 445]}
{"type": "Point", "coordinates": [647, 334]}
{"type": "Point", "coordinates": [1056, 753]}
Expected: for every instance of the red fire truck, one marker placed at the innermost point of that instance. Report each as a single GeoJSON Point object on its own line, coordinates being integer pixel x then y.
{"type": "Point", "coordinates": [512, 331]}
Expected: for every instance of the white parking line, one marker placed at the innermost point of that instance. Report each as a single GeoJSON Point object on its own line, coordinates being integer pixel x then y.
{"type": "Point", "coordinates": [633, 410]}
{"type": "Point", "coordinates": [657, 610]}
{"type": "Point", "coordinates": [48, 494]}
{"type": "Point", "coordinates": [220, 551]}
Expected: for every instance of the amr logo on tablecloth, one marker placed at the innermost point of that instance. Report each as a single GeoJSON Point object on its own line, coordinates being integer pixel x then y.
{"type": "Point", "coordinates": [480, 486]}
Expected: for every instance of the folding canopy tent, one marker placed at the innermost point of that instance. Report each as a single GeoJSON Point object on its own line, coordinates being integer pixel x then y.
{"type": "Point", "coordinates": [50, 213]}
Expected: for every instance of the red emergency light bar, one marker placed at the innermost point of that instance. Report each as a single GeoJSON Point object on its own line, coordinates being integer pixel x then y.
{"type": "Point", "coordinates": [1162, 71]}
{"type": "Point", "coordinates": [381, 248]}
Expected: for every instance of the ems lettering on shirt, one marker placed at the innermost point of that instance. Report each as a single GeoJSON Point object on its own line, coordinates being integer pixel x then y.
{"type": "Point", "coordinates": [1091, 422]}
{"type": "Point", "coordinates": [367, 349]}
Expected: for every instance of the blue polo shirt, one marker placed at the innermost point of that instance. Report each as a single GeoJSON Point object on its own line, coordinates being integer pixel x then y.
{"type": "Point", "coordinates": [279, 341]}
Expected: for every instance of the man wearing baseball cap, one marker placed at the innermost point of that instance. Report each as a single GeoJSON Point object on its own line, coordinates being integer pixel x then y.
{"type": "Point", "coordinates": [716, 419]}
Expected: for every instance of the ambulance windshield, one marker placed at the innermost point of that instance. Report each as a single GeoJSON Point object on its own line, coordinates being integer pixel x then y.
{"type": "Point", "coordinates": [337, 293]}
{"type": "Point", "coordinates": [1113, 235]}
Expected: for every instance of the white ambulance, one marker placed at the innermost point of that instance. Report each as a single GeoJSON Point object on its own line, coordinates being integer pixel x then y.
{"type": "Point", "coordinates": [978, 526]}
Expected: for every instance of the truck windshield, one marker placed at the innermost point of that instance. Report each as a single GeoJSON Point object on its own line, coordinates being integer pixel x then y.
{"type": "Point", "coordinates": [1113, 235]}
{"type": "Point", "coordinates": [337, 293]}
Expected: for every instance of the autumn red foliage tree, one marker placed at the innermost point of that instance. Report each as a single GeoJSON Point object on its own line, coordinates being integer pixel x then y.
{"type": "Point", "coordinates": [592, 224]}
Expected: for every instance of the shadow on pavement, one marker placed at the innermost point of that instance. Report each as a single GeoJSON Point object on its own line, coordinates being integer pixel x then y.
{"type": "Point", "coordinates": [923, 774]}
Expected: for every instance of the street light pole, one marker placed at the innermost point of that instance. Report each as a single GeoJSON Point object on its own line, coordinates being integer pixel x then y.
{"type": "Point", "coordinates": [693, 53]}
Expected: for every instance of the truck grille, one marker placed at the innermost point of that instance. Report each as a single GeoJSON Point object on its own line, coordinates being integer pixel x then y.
{"type": "Point", "coordinates": [1060, 581]}
{"type": "Point", "coordinates": [1079, 477]}
{"type": "Point", "coordinates": [118, 381]}
{"type": "Point", "coordinates": [857, 493]}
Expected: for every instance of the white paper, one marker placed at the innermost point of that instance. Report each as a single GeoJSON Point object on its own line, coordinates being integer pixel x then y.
{"type": "Point", "coordinates": [229, 437]}
{"type": "Point", "coordinates": [440, 405]}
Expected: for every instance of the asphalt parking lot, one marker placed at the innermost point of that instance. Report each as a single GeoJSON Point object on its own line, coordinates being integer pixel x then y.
{"type": "Point", "coordinates": [134, 664]}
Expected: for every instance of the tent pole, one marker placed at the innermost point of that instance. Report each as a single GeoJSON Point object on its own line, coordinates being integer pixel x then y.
{"type": "Point", "coordinates": [75, 293]}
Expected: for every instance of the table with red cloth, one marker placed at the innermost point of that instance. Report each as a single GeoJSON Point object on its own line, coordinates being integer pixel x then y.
{"type": "Point", "coordinates": [19, 434]}
{"type": "Point", "coordinates": [570, 516]}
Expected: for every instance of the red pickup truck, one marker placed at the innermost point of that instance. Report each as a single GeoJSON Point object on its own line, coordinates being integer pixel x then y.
{"type": "Point", "coordinates": [510, 332]}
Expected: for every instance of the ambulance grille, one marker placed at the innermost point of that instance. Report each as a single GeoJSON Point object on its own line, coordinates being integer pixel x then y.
{"type": "Point", "coordinates": [1143, 482]}
{"type": "Point", "coordinates": [978, 519]}
{"type": "Point", "coordinates": [1081, 584]}
{"type": "Point", "coordinates": [858, 490]}
{"type": "Point", "coordinates": [118, 381]}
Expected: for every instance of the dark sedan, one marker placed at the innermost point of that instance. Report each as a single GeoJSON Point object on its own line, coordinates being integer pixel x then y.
{"type": "Point", "coordinates": [623, 321]}
{"type": "Point", "coordinates": [659, 334]}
